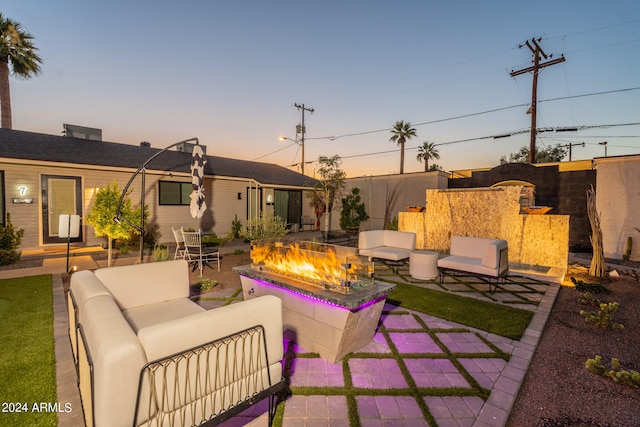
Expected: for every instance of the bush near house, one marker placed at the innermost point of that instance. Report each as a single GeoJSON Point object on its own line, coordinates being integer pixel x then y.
{"type": "Point", "coordinates": [10, 239]}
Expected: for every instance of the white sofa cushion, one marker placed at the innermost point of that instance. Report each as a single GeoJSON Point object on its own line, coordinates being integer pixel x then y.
{"type": "Point", "coordinates": [400, 239]}
{"type": "Point", "coordinates": [473, 247]}
{"type": "Point", "coordinates": [468, 264]}
{"type": "Point", "coordinates": [85, 285]}
{"type": "Point", "coordinates": [161, 340]}
{"type": "Point", "coordinates": [386, 252]}
{"type": "Point", "coordinates": [169, 338]}
{"type": "Point", "coordinates": [491, 257]}
{"type": "Point", "coordinates": [142, 284]}
{"type": "Point", "coordinates": [387, 244]}
{"type": "Point", "coordinates": [476, 255]}
{"type": "Point", "coordinates": [117, 357]}
{"type": "Point", "coordinates": [166, 311]}
{"type": "Point", "coordinates": [370, 239]}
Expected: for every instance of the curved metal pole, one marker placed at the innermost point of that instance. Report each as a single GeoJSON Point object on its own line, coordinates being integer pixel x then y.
{"type": "Point", "coordinates": [126, 187]}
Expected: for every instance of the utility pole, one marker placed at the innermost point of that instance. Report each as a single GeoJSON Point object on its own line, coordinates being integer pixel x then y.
{"type": "Point", "coordinates": [537, 53]}
{"type": "Point", "coordinates": [303, 130]}
{"type": "Point", "coordinates": [571, 145]}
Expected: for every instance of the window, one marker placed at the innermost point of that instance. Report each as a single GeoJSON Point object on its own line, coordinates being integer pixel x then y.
{"type": "Point", "coordinates": [175, 193]}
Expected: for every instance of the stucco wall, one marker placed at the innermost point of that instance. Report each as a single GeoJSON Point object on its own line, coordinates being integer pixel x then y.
{"type": "Point", "coordinates": [618, 202]}
{"type": "Point", "coordinates": [409, 190]}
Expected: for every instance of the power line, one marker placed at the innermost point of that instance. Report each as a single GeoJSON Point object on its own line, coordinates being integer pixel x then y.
{"type": "Point", "coordinates": [274, 152]}
{"type": "Point", "coordinates": [332, 137]}
{"type": "Point", "coordinates": [506, 135]}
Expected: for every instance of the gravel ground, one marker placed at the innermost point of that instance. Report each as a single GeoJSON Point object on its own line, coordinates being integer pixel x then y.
{"type": "Point", "coordinates": [558, 390]}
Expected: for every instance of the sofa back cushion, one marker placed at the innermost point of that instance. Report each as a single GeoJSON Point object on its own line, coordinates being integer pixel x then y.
{"type": "Point", "coordinates": [143, 284]}
{"type": "Point", "coordinates": [472, 247]}
{"type": "Point", "coordinates": [492, 253]}
{"type": "Point", "coordinates": [400, 239]}
{"type": "Point", "coordinates": [84, 286]}
{"type": "Point", "coordinates": [370, 239]}
{"type": "Point", "coordinates": [117, 358]}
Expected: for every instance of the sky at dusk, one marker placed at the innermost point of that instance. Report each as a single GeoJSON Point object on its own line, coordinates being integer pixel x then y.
{"type": "Point", "coordinates": [230, 72]}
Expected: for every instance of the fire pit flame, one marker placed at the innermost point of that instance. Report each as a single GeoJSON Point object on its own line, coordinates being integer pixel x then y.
{"type": "Point", "coordinates": [317, 264]}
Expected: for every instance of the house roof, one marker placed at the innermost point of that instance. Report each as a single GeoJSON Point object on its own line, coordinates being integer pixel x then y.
{"type": "Point", "coordinates": [16, 144]}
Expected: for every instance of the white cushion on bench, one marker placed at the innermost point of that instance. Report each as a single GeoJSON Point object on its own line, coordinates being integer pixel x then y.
{"type": "Point", "coordinates": [152, 314]}
{"type": "Point", "coordinates": [142, 284]}
{"type": "Point", "coordinates": [117, 359]}
{"type": "Point", "coordinates": [387, 244]}
{"type": "Point", "coordinates": [476, 255]}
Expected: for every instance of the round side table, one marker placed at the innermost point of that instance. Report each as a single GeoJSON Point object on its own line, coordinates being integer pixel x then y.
{"type": "Point", "coordinates": [423, 265]}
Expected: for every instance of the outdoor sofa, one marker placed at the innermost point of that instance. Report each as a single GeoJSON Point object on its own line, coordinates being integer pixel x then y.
{"type": "Point", "coordinates": [147, 355]}
{"type": "Point", "coordinates": [477, 256]}
{"type": "Point", "coordinates": [389, 245]}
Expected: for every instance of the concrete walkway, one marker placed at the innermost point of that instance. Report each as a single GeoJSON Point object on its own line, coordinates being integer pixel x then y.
{"type": "Point", "coordinates": [417, 370]}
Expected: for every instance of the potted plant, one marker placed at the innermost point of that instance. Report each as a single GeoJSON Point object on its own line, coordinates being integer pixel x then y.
{"type": "Point", "coordinates": [353, 212]}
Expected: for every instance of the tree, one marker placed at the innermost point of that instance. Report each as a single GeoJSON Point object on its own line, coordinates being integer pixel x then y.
{"type": "Point", "coordinates": [331, 182]}
{"type": "Point", "coordinates": [550, 154]}
{"type": "Point", "coordinates": [401, 132]}
{"type": "Point", "coordinates": [353, 212]}
{"type": "Point", "coordinates": [426, 152]}
{"type": "Point", "coordinates": [104, 211]}
{"type": "Point", "coordinates": [17, 49]}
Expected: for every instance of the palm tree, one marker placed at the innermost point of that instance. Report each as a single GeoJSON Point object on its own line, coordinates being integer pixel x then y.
{"type": "Point", "coordinates": [17, 49]}
{"type": "Point", "coordinates": [401, 132]}
{"type": "Point", "coordinates": [426, 152]}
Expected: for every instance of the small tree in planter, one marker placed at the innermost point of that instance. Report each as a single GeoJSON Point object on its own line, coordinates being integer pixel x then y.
{"type": "Point", "coordinates": [353, 212]}
{"type": "Point", "coordinates": [104, 210]}
{"type": "Point", "coordinates": [331, 182]}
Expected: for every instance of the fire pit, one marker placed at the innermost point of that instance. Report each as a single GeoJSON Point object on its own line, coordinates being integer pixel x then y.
{"type": "Point", "coordinates": [331, 300]}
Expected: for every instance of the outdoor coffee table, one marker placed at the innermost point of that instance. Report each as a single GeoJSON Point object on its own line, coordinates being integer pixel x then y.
{"type": "Point", "coordinates": [423, 265]}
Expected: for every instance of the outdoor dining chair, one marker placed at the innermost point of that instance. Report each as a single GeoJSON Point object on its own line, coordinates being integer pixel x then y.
{"type": "Point", "coordinates": [196, 254]}
{"type": "Point", "coordinates": [180, 251]}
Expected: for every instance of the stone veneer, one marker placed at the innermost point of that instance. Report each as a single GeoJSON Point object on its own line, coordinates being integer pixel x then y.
{"type": "Point", "coordinates": [534, 240]}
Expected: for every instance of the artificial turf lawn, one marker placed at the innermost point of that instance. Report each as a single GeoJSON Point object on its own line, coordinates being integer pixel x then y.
{"type": "Point", "coordinates": [502, 320]}
{"type": "Point", "coordinates": [27, 358]}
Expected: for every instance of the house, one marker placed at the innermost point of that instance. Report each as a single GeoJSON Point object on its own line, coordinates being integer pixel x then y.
{"type": "Point", "coordinates": [43, 176]}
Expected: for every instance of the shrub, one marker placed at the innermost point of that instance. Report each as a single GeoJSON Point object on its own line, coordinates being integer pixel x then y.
{"type": "Point", "coordinates": [595, 287]}
{"type": "Point", "coordinates": [212, 239]}
{"type": "Point", "coordinates": [160, 253]}
{"type": "Point", "coordinates": [604, 317]}
{"type": "Point", "coordinates": [353, 211]}
{"type": "Point", "coordinates": [10, 240]}
{"type": "Point", "coordinates": [587, 299]}
{"type": "Point", "coordinates": [236, 227]}
{"type": "Point", "coordinates": [267, 227]}
{"type": "Point", "coordinates": [207, 284]}
{"type": "Point", "coordinates": [629, 378]}
{"type": "Point", "coordinates": [393, 224]}
{"type": "Point", "coordinates": [151, 238]}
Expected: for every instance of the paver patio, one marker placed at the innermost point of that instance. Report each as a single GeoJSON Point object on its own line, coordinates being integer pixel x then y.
{"type": "Point", "coordinates": [417, 370]}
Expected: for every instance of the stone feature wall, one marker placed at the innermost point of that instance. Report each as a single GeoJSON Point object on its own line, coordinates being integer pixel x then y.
{"type": "Point", "coordinates": [538, 240]}
{"type": "Point", "coordinates": [564, 191]}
